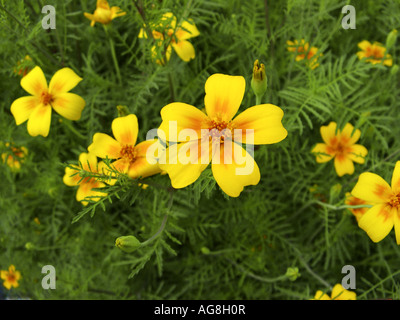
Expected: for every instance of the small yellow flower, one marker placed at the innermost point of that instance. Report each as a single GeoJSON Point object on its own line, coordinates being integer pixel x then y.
{"type": "Point", "coordinates": [14, 157]}
{"type": "Point", "coordinates": [130, 158]}
{"type": "Point", "coordinates": [379, 220]}
{"type": "Point", "coordinates": [37, 107]}
{"type": "Point", "coordinates": [338, 293]}
{"type": "Point", "coordinates": [374, 53]}
{"type": "Point", "coordinates": [86, 185]}
{"type": "Point", "coordinates": [168, 33]}
{"type": "Point", "coordinates": [10, 277]}
{"type": "Point", "coordinates": [340, 146]}
{"type": "Point", "coordinates": [353, 201]}
{"type": "Point", "coordinates": [303, 51]}
{"type": "Point", "coordinates": [103, 13]}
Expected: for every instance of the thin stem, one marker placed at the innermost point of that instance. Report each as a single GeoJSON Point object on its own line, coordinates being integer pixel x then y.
{"type": "Point", "coordinates": [171, 87]}
{"type": "Point", "coordinates": [114, 56]}
{"type": "Point", "coordinates": [160, 230]}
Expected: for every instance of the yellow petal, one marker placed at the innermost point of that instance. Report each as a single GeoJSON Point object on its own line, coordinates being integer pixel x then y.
{"type": "Point", "coordinates": [184, 49]}
{"type": "Point", "coordinates": [348, 135]}
{"type": "Point", "coordinates": [322, 154]}
{"type": "Point", "coordinates": [187, 30]}
{"type": "Point", "coordinates": [104, 146]}
{"type": "Point", "coordinates": [121, 165]}
{"type": "Point", "coordinates": [372, 188]}
{"type": "Point", "coordinates": [319, 295]}
{"type": "Point", "coordinates": [183, 164]}
{"type": "Point", "coordinates": [343, 165]}
{"type": "Point", "coordinates": [340, 293]}
{"type": "Point", "coordinates": [125, 129]}
{"type": "Point", "coordinates": [145, 165]}
{"type": "Point", "coordinates": [357, 153]}
{"type": "Point", "coordinates": [70, 178]}
{"type": "Point", "coordinates": [377, 222]}
{"type": "Point", "coordinates": [396, 178]}
{"type": "Point", "coordinates": [117, 12]}
{"type": "Point", "coordinates": [85, 191]}
{"type": "Point", "coordinates": [63, 81]}
{"type": "Point", "coordinates": [179, 116]}
{"type": "Point", "coordinates": [88, 161]}
{"type": "Point", "coordinates": [264, 122]}
{"type": "Point", "coordinates": [328, 133]}
{"type": "Point", "coordinates": [69, 105]}
{"type": "Point", "coordinates": [34, 82]}
{"type": "Point", "coordinates": [39, 121]}
{"type": "Point", "coordinates": [234, 168]}
{"type": "Point", "coordinates": [23, 107]}
{"type": "Point", "coordinates": [363, 45]}
{"type": "Point", "coordinates": [224, 94]}
{"type": "Point", "coordinates": [396, 222]}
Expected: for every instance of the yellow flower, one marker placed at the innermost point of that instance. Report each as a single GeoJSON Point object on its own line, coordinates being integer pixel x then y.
{"type": "Point", "coordinates": [213, 133]}
{"type": "Point", "coordinates": [338, 293]}
{"type": "Point", "coordinates": [86, 185]}
{"type": "Point", "coordinates": [167, 33]}
{"type": "Point", "coordinates": [374, 53]}
{"type": "Point", "coordinates": [10, 277]}
{"type": "Point", "coordinates": [103, 13]}
{"type": "Point", "coordinates": [341, 146]}
{"type": "Point", "coordinates": [353, 201]}
{"type": "Point", "coordinates": [379, 220]}
{"type": "Point", "coordinates": [14, 157]}
{"type": "Point", "coordinates": [130, 158]}
{"type": "Point", "coordinates": [37, 107]}
{"type": "Point", "coordinates": [303, 51]}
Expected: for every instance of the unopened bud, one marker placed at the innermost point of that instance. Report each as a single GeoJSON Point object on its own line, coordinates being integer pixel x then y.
{"type": "Point", "coordinates": [205, 250]}
{"type": "Point", "coordinates": [123, 111]}
{"type": "Point", "coordinates": [394, 69]}
{"type": "Point", "coordinates": [127, 243]}
{"type": "Point", "coordinates": [292, 273]}
{"type": "Point", "coordinates": [259, 80]}
{"type": "Point", "coordinates": [391, 39]}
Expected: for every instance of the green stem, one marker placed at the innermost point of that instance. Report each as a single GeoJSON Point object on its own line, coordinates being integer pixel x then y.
{"type": "Point", "coordinates": [114, 56]}
{"type": "Point", "coordinates": [171, 87]}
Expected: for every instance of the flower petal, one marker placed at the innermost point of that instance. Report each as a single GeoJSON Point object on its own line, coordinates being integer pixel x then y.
{"type": "Point", "coordinates": [71, 178]}
{"type": "Point", "coordinates": [322, 154]}
{"type": "Point", "coordinates": [363, 45]}
{"type": "Point", "coordinates": [184, 49]}
{"type": "Point", "coordinates": [85, 190]}
{"type": "Point", "coordinates": [396, 178]}
{"type": "Point", "coordinates": [343, 165]}
{"type": "Point", "coordinates": [349, 135]}
{"type": "Point", "coordinates": [69, 105]}
{"type": "Point", "coordinates": [372, 188]}
{"type": "Point", "coordinates": [377, 222]}
{"type": "Point", "coordinates": [396, 221]}
{"type": "Point", "coordinates": [179, 116]}
{"type": "Point", "coordinates": [234, 168]}
{"type": "Point", "coordinates": [145, 165]}
{"type": "Point", "coordinates": [340, 293]}
{"type": "Point", "coordinates": [23, 107]}
{"type": "Point", "coordinates": [104, 146]}
{"type": "Point", "coordinates": [264, 122]}
{"type": "Point", "coordinates": [39, 121]}
{"type": "Point", "coordinates": [183, 164]}
{"type": "Point", "coordinates": [121, 165]}
{"type": "Point", "coordinates": [357, 153]}
{"type": "Point", "coordinates": [224, 95]}
{"type": "Point", "coordinates": [88, 161]}
{"type": "Point", "coordinates": [63, 81]}
{"type": "Point", "coordinates": [125, 129]}
{"type": "Point", "coordinates": [34, 82]}
{"type": "Point", "coordinates": [187, 30]}
{"type": "Point", "coordinates": [328, 133]}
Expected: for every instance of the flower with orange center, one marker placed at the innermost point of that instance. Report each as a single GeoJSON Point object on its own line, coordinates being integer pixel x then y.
{"type": "Point", "coordinates": [379, 220]}
{"type": "Point", "coordinates": [374, 53]}
{"type": "Point", "coordinates": [14, 157]}
{"type": "Point", "coordinates": [338, 293]}
{"type": "Point", "coordinates": [103, 13]}
{"type": "Point", "coordinates": [37, 107]}
{"type": "Point", "coordinates": [353, 201]}
{"type": "Point", "coordinates": [212, 136]}
{"type": "Point", "coordinates": [168, 34]}
{"type": "Point", "coordinates": [10, 277]}
{"type": "Point", "coordinates": [340, 145]}
{"type": "Point", "coordinates": [130, 158]}
{"type": "Point", "coordinates": [86, 185]}
{"type": "Point", "coordinates": [303, 51]}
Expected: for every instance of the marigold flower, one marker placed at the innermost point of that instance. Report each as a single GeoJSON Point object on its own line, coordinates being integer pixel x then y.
{"type": "Point", "coordinates": [23, 71]}
{"type": "Point", "coordinates": [338, 293]}
{"type": "Point", "coordinates": [103, 13]}
{"type": "Point", "coordinates": [303, 51]}
{"type": "Point", "coordinates": [167, 32]}
{"type": "Point", "coordinates": [10, 277]}
{"type": "Point", "coordinates": [14, 157]}
{"type": "Point", "coordinates": [37, 107]}
{"type": "Point", "coordinates": [214, 133]}
{"type": "Point", "coordinates": [341, 146]}
{"type": "Point", "coordinates": [86, 185]}
{"type": "Point", "coordinates": [130, 158]}
{"type": "Point", "coordinates": [379, 220]}
{"type": "Point", "coordinates": [374, 53]}
{"type": "Point", "coordinates": [353, 201]}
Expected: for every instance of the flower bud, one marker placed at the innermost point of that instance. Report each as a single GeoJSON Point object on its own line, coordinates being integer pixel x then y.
{"type": "Point", "coordinates": [259, 81]}
{"type": "Point", "coordinates": [205, 250]}
{"type": "Point", "coordinates": [292, 273]}
{"type": "Point", "coordinates": [391, 39]}
{"type": "Point", "coordinates": [394, 69]}
{"type": "Point", "coordinates": [127, 243]}
{"type": "Point", "coordinates": [122, 111]}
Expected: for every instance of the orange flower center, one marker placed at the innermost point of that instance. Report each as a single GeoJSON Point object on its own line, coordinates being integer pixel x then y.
{"type": "Point", "coordinates": [395, 201]}
{"type": "Point", "coordinates": [128, 152]}
{"type": "Point", "coordinates": [219, 130]}
{"type": "Point", "coordinates": [11, 277]}
{"type": "Point", "coordinates": [46, 98]}
{"type": "Point", "coordinates": [338, 147]}
{"type": "Point", "coordinates": [374, 52]}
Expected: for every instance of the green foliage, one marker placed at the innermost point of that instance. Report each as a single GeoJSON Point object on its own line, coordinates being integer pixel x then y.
{"type": "Point", "coordinates": [196, 242]}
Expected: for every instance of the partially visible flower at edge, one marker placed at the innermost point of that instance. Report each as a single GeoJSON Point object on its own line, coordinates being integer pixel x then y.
{"type": "Point", "coordinates": [14, 157]}
{"type": "Point", "coordinates": [353, 201]}
{"type": "Point", "coordinates": [10, 277]}
{"type": "Point", "coordinates": [338, 293]}
{"type": "Point", "coordinates": [303, 51]}
{"type": "Point", "coordinates": [103, 13]}
{"type": "Point", "coordinates": [23, 71]}
{"type": "Point", "coordinates": [374, 53]}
